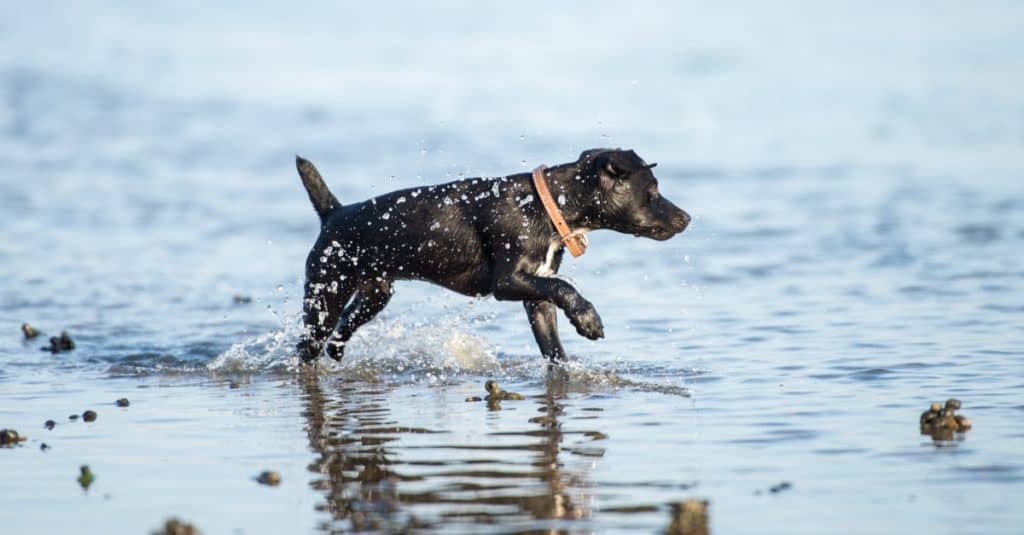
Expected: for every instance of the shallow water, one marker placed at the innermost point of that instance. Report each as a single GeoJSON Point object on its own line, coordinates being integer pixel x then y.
{"type": "Point", "coordinates": [855, 177]}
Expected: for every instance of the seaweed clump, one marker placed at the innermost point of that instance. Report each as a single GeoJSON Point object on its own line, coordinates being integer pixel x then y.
{"type": "Point", "coordinates": [941, 422]}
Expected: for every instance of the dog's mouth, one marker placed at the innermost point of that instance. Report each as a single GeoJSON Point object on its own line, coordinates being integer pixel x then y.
{"type": "Point", "coordinates": [656, 232]}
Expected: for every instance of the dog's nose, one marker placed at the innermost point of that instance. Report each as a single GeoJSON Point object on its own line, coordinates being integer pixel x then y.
{"type": "Point", "coordinates": [680, 220]}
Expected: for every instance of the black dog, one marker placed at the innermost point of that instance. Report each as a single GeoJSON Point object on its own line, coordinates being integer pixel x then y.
{"type": "Point", "coordinates": [476, 236]}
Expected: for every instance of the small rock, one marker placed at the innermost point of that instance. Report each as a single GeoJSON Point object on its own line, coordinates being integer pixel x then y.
{"type": "Point", "coordinates": [270, 478]}
{"type": "Point", "coordinates": [174, 526]}
{"type": "Point", "coordinates": [86, 477]}
{"type": "Point", "coordinates": [44, 446]}
{"type": "Point", "coordinates": [50, 424]}
{"type": "Point", "coordinates": [240, 299]}
{"type": "Point", "coordinates": [474, 398]}
{"type": "Point", "coordinates": [785, 485]}
{"type": "Point", "coordinates": [689, 517]}
{"type": "Point", "coordinates": [61, 343]}
{"type": "Point", "coordinates": [941, 421]}
{"type": "Point", "coordinates": [10, 437]}
{"type": "Point", "coordinates": [29, 331]}
{"type": "Point", "coordinates": [72, 417]}
{"type": "Point", "coordinates": [89, 416]}
{"type": "Point", "coordinates": [123, 402]}
{"type": "Point", "coordinates": [495, 393]}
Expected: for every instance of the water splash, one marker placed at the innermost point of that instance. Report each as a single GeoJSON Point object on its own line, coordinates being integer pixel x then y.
{"type": "Point", "coordinates": [436, 353]}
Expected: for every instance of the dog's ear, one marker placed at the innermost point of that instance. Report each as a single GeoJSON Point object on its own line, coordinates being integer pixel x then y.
{"type": "Point", "coordinates": [613, 169]}
{"type": "Point", "coordinates": [613, 164]}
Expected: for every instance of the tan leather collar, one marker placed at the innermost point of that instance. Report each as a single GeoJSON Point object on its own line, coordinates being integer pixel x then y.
{"type": "Point", "coordinates": [576, 242]}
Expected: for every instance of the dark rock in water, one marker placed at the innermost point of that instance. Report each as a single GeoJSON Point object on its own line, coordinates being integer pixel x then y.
{"type": "Point", "coordinates": [44, 446]}
{"type": "Point", "coordinates": [10, 437]}
{"type": "Point", "coordinates": [174, 526]}
{"type": "Point", "coordinates": [689, 518]}
{"type": "Point", "coordinates": [941, 421]}
{"type": "Point", "coordinates": [270, 478]}
{"type": "Point", "coordinates": [61, 343]}
{"type": "Point", "coordinates": [785, 485]}
{"type": "Point", "coordinates": [72, 417]}
{"type": "Point", "coordinates": [29, 331]}
{"type": "Point", "coordinates": [50, 424]}
{"type": "Point", "coordinates": [89, 416]}
{"type": "Point", "coordinates": [86, 477]}
{"type": "Point", "coordinates": [495, 393]}
{"type": "Point", "coordinates": [123, 402]}
{"type": "Point", "coordinates": [241, 299]}
{"type": "Point", "coordinates": [474, 398]}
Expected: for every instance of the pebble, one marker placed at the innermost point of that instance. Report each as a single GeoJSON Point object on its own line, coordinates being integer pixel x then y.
{"type": "Point", "coordinates": [940, 421]}
{"type": "Point", "coordinates": [123, 402]}
{"type": "Point", "coordinates": [495, 393]}
{"type": "Point", "coordinates": [50, 424]}
{"type": "Point", "coordinates": [174, 526]}
{"type": "Point", "coordinates": [9, 437]}
{"type": "Point", "coordinates": [86, 477]}
{"type": "Point", "coordinates": [270, 478]}
{"type": "Point", "coordinates": [72, 417]}
{"type": "Point", "coordinates": [61, 343]}
{"type": "Point", "coordinates": [89, 416]}
{"type": "Point", "coordinates": [241, 299]}
{"type": "Point", "coordinates": [29, 331]}
{"type": "Point", "coordinates": [689, 517]}
{"type": "Point", "coordinates": [785, 485]}
{"type": "Point", "coordinates": [44, 446]}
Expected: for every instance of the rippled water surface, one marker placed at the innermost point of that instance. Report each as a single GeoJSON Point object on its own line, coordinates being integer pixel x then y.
{"type": "Point", "coordinates": [857, 186]}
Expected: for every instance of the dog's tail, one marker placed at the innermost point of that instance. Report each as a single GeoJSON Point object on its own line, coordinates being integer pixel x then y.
{"type": "Point", "coordinates": [323, 200]}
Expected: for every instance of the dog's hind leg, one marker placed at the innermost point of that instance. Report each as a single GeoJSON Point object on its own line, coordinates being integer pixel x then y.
{"type": "Point", "coordinates": [544, 322]}
{"type": "Point", "coordinates": [321, 309]}
{"type": "Point", "coordinates": [372, 297]}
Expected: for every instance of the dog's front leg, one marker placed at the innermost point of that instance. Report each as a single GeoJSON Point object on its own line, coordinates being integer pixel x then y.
{"type": "Point", "coordinates": [519, 286]}
{"type": "Point", "coordinates": [544, 323]}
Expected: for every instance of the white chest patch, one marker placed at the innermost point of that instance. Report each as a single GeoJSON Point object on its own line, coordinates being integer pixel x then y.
{"type": "Point", "coordinates": [547, 268]}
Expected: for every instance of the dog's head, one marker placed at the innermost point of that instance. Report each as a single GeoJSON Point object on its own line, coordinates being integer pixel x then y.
{"type": "Point", "coordinates": [626, 197]}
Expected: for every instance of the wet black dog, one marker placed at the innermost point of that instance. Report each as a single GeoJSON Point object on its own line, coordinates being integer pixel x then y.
{"type": "Point", "coordinates": [476, 236]}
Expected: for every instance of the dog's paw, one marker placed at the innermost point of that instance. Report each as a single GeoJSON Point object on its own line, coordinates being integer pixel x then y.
{"type": "Point", "coordinates": [308, 350]}
{"type": "Point", "coordinates": [335, 349]}
{"type": "Point", "coordinates": [586, 321]}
